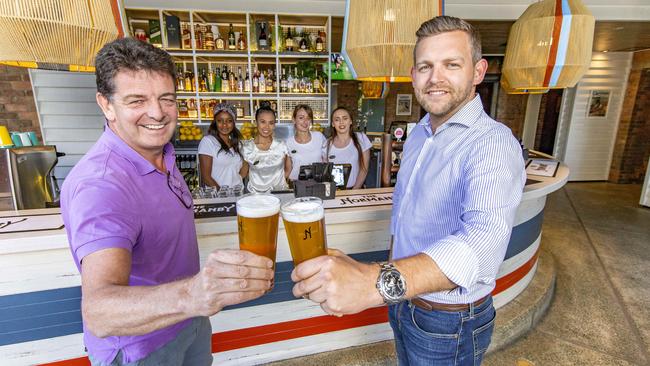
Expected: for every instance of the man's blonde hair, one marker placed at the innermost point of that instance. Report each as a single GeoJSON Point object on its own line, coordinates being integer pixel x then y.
{"type": "Point", "coordinates": [443, 24]}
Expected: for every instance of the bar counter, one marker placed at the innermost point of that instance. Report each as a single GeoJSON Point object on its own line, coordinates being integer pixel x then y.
{"type": "Point", "coordinates": [40, 319]}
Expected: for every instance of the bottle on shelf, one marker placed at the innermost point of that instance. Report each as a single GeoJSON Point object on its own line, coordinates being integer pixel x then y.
{"type": "Point", "coordinates": [216, 84]}
{"type": "Point", "coordinates": [288, 42]}
{"type": "Point", "coordinates": [189, 81]}
{"type": "Point", "coordinates": [180, 79]}
{"type": "Point", "coordinates": [302, 85]}
{"type": "Point", "coordinates": [303, 46]}
{"type": "Point", "coordinates": [240, 110]}
{"type": "Point", "coordinates": [225, 85]}
{"type": "Point", "coordinates": [219, 43]}
{"type": "Point", "coordinates": [320, 43]}
{"type": "Point", "coordinates": [191, 109]}
{"type": "Point", "coordinates": [182, 108]}
{"type": "Point", "coordinates": [208, 38]}
{"type": "Point", "coordinates": [232, 81]}
{"type": "Point", "coordinates": [270, 87]}
{"type": "Point", "coordinates": [241, 42]}
{"type": "Point", "coordinates": [262, 40]}
{"type": "Point", "coordinates": [232, 42]}
{"type": "Point", "coordinates": [247, 84]}
{"type": "Point", "coordinates": [296, 82]}
{"type": "Point", "coordinates": [290, 82]}
{"type": "Point", "coordinates": [240, 81]}
{"type": "Point", "coordinates": [186, 37]}
{"type": "Point", "coordinates": [262, 82]}
{"type": "Point", "coordinates": [198, 37]}
{"type": "Point", "coordinates": [283, 82]}
{"type": "Point", "coordinates": [316, 84]}
{"type": "Point", "coordinates": [256, 82]}
{"type": "Point", "coordinates": [203, 85]}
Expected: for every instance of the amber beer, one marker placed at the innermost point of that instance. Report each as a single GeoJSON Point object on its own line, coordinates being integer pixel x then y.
{"type": "Point", "coordinates": [257, 221]}
{"type": "Point", "coordinates": [304, 223]}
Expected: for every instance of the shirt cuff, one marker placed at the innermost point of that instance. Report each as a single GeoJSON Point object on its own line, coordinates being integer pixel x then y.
{"type": "Point", "coordinates": [456, 260]}
{"type": "Point", "coordinates": [103, 243]}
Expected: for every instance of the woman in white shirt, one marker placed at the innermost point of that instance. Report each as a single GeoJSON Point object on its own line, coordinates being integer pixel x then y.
{"type": "Point", "coordinates": [267, 158]}
{"type": "Point", "coordinates": [220, 158]}
{"type": "Point", "coordinates": [305, 147]}
{"type": "Point", "coordinates": [348, 147]}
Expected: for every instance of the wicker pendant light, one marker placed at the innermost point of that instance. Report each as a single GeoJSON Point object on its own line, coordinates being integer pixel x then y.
{"type": "Point", "coordinates": [510, 90]}
{"type": "Point", "coordinates": [549, 46]}
{"type": "Point", "coordinates": [374, 89]}
{"type": "Point", "coordinates": [379, 36]}
{"type": "Point", "coordinates": [55, 34]}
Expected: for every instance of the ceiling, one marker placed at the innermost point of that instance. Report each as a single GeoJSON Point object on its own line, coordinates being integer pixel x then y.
{"type": "Point", "coordinates": [611, 36]}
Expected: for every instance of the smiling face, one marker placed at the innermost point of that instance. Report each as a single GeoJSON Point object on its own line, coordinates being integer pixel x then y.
{"type": "Point", "coordinates": [225, 124]}
{"type": "Point", "coordinates": [302, 121]}
{"type": "Point", "coordinates": [142, 110]}
{"type": "Point", "coordinates": [265, 124]}
{"type": "Point", "coordinates": [444, 76]}
{"type": "Point", "coordinates": [342, 122]}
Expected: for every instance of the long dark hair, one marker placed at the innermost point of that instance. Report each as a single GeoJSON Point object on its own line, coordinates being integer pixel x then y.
{"type": "Point", "coordinates": [235, 136]}
{"type": "Point", "coordinates": [353, 135]}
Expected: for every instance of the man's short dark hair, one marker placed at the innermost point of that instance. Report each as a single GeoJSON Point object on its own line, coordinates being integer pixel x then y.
{"type": "Point", "coordinates": [444, 24]}
{"type": "Point", "coordinates": [132, 55]}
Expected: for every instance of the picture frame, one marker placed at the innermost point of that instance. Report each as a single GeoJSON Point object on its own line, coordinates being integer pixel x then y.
{"type": "Point", "coordinates": [598, 103]}
{"type": "Point", "coordinates": [403, 104]}
{"type": "Point", "coordinates": [542, 167]}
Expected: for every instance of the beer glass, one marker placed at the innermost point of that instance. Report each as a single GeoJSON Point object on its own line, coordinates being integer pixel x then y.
{"type": "Point", "coordinates": [257, 222]}
{"type": "Point", "coordinates": [304, 223]}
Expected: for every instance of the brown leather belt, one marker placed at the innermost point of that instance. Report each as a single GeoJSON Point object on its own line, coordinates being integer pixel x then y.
{"type": "Point", "coordinates": [430, 305]}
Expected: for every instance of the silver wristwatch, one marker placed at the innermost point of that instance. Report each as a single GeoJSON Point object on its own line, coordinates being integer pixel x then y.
{"type": "Point", "coordinates": [391, 284]}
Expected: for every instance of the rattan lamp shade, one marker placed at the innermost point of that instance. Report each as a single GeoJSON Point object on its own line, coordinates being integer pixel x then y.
{"type": "Point", "coordinates": [510, 90]}
{"type": "Point", "coordinates": [549, 46]}
{"type": "Point", "coordinates": [56, 34]}
{"type": "Point", "coordinates": [379, 36]}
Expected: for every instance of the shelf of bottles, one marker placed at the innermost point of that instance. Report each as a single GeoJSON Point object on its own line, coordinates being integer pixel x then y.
{"type": "Point", "coordinates": [243, 58]}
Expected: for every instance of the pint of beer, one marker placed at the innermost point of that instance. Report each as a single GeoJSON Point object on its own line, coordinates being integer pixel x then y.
{"type": "Point", "coordinates": [304, 222]}
{"type": "Point", "coordinates": [257, 221]}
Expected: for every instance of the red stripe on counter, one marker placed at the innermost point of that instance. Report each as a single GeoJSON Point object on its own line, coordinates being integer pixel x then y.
{"type": "Point", "coordinates": [515, 276]}
{"type": "Point", "coordinates": [247, 337]}
{"type": "Point", "coordinates": [269, 333]}
{"type": "Point", "coordinates": [555, 41]}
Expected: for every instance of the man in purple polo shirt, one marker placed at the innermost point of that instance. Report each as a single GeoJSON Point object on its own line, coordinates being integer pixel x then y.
{"type": "Point", "coordinates": [129, 219]}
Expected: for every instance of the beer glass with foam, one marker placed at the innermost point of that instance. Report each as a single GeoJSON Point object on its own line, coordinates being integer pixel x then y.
{"type": "Point", "coordinates": [257, 222]}
{"type": "Point", "coordinates": [304, 223]}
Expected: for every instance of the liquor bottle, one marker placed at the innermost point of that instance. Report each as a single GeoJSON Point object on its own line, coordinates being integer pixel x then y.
{"type": "Point", "coordinates": [262, 83]}
{"type": "Point", "coordinates": [247, 84]}
{"type": "Point", "coordinates": [240, 110]}
{"type": "Point", "coordinates": [182, 108]}
{"type": "Point", "coordinates": [186, 37]}
{"type": "Point", "coordinates": [283, 82]}
{"type": "Point", "coordinates": [274, 82]}
{"type": "Point", "coordinates": [256, 82]}
{"type": "Point", "coordinates": [302, 85]}
{"type": "Point", "coordinates": [296, 81]}
{"type": "Point", "coordinates": [261, 41]}
{"type": "Point", "coordinates": [232, 42]}
{"type": "Point", "coordinates": [208, 38]}
{"type": "Point", "coordinates": [241, 42]}
{"type": "Point", "coordinates": [216, 85]}
{"type": "Point", "coordinates": [219, 43]}
{"type": "Point", "coordinates": [188, 81]}
{"type": "Point", "coordinates": [309, 86]}
{"type": "Point", "coordinates": [198, 37]}
{"type": "Point", "coordinates": [225, 85]}
{"type": "Point", "coordinates": [191, 109]}
{"type": "Point", "coordinates": [269, 82]}
{"type": "Point", "coordinates": [180, 79]}
{"type": "Point", "coordinates": [288, 45]}
{"type": "Point", "coordinates": [210, 80]}
{"type": "Point", "coordinates": [289, 82]}
{"type": "Point", "coordinates": [320, 44]}
{"type": "Point", "coordinates": [232, 80]}
{"type": "Point", "coordinates": [203, 86]}
{"type": "Point", "coordinates": [316, 84]}
{"type": "Point", "coordinates": [240, 81]}
{"type": "Point", "coordinates": [303, 46]}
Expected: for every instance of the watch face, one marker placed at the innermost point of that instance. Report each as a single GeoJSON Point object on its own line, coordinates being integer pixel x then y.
{"type": "Point", "coordinates": [393, 285]}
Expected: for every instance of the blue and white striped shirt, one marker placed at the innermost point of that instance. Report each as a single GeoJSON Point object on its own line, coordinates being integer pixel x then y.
{"type": "Point", "coordinates": [457, 192]}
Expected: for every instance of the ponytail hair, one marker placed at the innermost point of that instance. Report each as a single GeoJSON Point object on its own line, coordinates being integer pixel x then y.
{"type": "Point", "coordinates": [353, 136]}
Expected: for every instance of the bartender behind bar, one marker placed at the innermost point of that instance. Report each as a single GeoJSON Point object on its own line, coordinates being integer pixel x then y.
{"type": "Point", "coordinates": [129, 220]}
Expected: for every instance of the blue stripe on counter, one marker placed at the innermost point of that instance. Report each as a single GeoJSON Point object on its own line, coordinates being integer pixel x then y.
{"type": "Point", "coordinates": [54, 313]}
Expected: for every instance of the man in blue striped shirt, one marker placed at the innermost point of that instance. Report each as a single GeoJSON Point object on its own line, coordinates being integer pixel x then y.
{"type": "Point", "coordinates": [458, 188]}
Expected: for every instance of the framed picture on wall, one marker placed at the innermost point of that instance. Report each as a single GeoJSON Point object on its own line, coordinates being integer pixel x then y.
{"type": "Point", "coordinates": [598, 103]}
{"type": "Point", "coordinates": [404, 102]}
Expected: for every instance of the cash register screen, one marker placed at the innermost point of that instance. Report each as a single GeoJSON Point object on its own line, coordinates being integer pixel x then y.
{"type": "Point", "coordinates": [338, 175]}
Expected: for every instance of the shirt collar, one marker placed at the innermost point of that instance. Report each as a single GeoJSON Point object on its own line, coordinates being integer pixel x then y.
{"type": "Point", "coordinates": [141, 165]}
{"type": "Point", "coordinates": [466, 116]}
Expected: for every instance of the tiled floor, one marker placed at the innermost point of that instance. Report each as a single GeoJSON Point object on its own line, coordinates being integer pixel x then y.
{"type": "Point", "coordinates": [599, 237]}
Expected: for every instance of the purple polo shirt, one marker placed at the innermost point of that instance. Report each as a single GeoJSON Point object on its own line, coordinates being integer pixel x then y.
{"type": "Point", "coordinates": [114, 198]}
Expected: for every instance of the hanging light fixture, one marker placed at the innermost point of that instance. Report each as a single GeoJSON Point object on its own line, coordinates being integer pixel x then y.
{"type": "Point", "coordinates": [379, 36]}
{"type": "Point", "coordinates": [510, 90]}
{"type": "Point", "coordinates": [55, 34]}
{"type": "Point", "coordinates": [549, 46]}
{"type": "Point", "coordinates": [374, 89]}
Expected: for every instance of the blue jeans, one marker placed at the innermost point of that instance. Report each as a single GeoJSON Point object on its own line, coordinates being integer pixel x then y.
{"type": "Point", "coordinates": [441, 337]}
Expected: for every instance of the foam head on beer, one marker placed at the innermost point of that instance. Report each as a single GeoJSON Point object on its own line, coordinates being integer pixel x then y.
{"type": "Point", "coordinates": [258, 205]}
{"type": "Point", "coordinates": [299, 211]}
